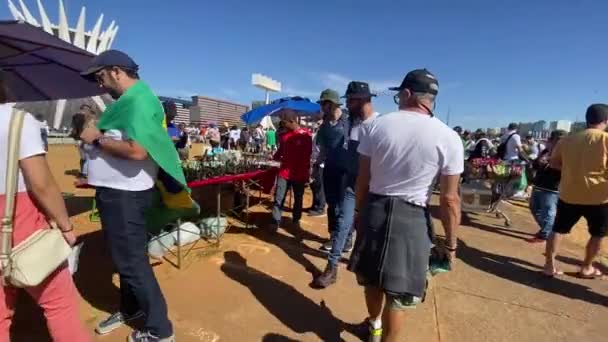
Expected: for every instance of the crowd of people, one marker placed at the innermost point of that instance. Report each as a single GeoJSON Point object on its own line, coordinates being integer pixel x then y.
{"type": "Point", "coordinates": [376, 174]}
{"type": "Point", "coordinates": [372, 174]}
{"type": "Point", "coordinates": [224, 137]}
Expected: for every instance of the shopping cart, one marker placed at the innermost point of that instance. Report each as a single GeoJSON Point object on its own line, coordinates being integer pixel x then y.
{"type": "Point", "coordinates": [488, 184]}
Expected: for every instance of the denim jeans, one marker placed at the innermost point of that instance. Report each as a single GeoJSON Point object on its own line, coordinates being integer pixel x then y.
{"type": "Point", "coordinates": [333, 185]}
{"type": "Point", "coordinates": [283, 186]}
{"type": "Point", "coordinates": [543, 205]}
{"type": "Point", "coordinates": [344, 226]}
{"type": "Point", "coordinates": [123, 222]}
{"type": "Point", "coordinates": [318, 195]}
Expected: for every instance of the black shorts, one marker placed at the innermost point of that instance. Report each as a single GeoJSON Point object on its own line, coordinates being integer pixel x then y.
{"type": "Point", "coordinates": [569, 214]}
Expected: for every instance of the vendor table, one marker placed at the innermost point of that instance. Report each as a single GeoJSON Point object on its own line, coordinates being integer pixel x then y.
{"type": "Point", "coordinates": [262, 180]}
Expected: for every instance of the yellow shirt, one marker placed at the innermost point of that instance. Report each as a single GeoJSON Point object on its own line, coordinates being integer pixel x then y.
{"type": "Point", "coordinates": [584, 163]}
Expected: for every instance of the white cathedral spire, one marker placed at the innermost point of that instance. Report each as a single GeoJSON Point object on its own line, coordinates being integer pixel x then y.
{"type": "Point", "coordinates": [64, 29]}
{"type": "Point", "coordinates": [46, 23]}
{"type": "Point", "coordinates": [79, 37]}
{"type": "Point", "coordinates": [93, 40]}
{"type": "Point", "coordinates": [27, 14]}
{"type": "Point", "coordinates": [14, 11]}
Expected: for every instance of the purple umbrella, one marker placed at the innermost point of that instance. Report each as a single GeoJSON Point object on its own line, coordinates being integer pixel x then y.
{"type": "Point", "coordinates": [38, 66]}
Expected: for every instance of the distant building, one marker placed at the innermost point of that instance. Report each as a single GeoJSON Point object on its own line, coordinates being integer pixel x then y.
{"type": "Point", "coordinates": [182, 108]}
{"type": "Point", "coordinates": [207, 109]}
{"type": "Point", "coordinates": [564, 125]}
{"type": "Point", "coordinates": [540, 126]}
{"type": "Point", "coordinates": [525, 128]}
{"type": "Point", "coordinates": [578, 126]}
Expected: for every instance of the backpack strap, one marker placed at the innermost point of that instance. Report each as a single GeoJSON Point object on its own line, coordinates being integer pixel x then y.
{"type": "Point", "coordinates": [12, 173]}
{"type": "Point", "coordinates": [509, 138]}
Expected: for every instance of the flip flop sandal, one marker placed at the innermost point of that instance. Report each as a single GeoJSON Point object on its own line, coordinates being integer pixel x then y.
{"type": "Point", "coordinates": [596, 274]}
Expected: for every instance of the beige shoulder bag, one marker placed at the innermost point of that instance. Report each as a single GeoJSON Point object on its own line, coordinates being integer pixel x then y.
{"type": "Point", "coordinates": [35, 258]}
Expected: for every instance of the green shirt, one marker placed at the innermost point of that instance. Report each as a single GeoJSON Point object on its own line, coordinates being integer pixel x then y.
{"type": "Point", "coordinates": [271, 138]}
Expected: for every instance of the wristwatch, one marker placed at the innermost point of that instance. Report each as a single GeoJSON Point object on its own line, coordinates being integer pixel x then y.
{"type": "Point", "coordinates": [97, 142]}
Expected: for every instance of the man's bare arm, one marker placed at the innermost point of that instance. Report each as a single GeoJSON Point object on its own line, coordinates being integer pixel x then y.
{"type": "Point", "coordinates": [449, 204]}
{"type": "Point", "coordinates": [124, 149]}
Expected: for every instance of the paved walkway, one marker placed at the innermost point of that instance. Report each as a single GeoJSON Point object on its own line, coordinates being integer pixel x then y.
{"type": "Point", "coordinates": [256, 288]}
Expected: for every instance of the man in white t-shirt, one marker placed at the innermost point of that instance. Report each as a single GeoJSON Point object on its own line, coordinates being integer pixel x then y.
{"type": "Point", "coordinates": [512, 140]}
{"type": "Point", "coordinates": [401, 156]}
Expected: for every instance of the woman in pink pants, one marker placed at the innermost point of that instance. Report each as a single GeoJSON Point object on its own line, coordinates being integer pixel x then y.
{"type": "Point", "coordinates": [38, 198]}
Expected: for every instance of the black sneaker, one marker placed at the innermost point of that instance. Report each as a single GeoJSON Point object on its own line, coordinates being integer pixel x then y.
{"type": "Point", "coordinates": [367, 333]}
{"type": "Point", "coordinates": [115, 321]}
{"type": "Point", "coordinates": [146, 336]}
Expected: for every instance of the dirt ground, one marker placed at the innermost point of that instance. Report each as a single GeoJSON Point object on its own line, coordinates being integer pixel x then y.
{"type": "Point", "coordinates": [255, 286]}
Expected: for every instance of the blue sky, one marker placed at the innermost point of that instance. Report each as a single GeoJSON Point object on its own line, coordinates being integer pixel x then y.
{"type": "Point", "coordinates": [497, 61]}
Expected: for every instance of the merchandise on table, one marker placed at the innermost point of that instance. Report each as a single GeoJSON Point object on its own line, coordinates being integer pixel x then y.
{"type": "Point", "coordinates": [487, 168]}
{"type": "Point", "coordinates": [228, 163]}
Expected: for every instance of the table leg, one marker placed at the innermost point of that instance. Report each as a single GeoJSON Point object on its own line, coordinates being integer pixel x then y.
{"type": "Point", "coordinates": [246, 189]}
{"type": "Point", "coordinates": [219, 214]}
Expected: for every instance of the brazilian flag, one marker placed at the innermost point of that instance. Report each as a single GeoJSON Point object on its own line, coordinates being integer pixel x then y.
{"type": "Point", "coordinates": [139, 113]}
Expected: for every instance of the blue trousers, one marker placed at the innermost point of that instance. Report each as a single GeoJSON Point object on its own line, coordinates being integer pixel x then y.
{"type": "Point", "coordinates": [344, 231]}
{"type": "Point", "coordinates": [340, 197]}
{"type": "Point", "coordinates": [123, 222]}
{"type": "Point", "coordinates": [333, 180]}
{"type": "Point", "coordinates": [543, 205]}
{"type": "Point", "coordinates": [282, 187]}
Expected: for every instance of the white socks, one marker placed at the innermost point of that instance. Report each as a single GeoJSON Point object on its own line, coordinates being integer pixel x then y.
{"type": "Point", "coordinates": [375, 323]}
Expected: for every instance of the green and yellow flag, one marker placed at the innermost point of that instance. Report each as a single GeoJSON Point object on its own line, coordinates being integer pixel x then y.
{"type": "Point", "coordinates": [139, 113]}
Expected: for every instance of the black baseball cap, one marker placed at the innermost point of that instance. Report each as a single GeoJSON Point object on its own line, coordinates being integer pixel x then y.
{"type": "Point", "coordinates": [109, 58]}
{"type": "Point", "coordinates": [358, 89]}
{"type": "Point", "coordinates": [419, 81]}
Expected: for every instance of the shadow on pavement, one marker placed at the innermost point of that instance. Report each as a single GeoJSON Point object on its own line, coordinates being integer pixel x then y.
{"type": "Point", "coordinates": [513, 269]}
{"type": "Point", "coordinates": [78, 205]}
{"type": "Point", "coordinates": [291, 245]}
{"type": "Point", "coordinates": [94, 276]}
{"type": "Point", "coordinates": [515, 234]}
{"type": "Point", "coordinates": [296, 311]}
{"type": "Point", "coordinates": [468, 221]}
{"type": "Point", "coordinates": [520, 203]}
{"type": "Point", "coordinates": [72, 172]}
{"type": "Point", "coordinates": [272, 337]}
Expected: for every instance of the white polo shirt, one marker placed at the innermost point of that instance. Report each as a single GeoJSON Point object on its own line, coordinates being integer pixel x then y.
{"type": "Point", "coordinates": [105, 170]}
{"type": "Point", "coordinates": [408, 150]}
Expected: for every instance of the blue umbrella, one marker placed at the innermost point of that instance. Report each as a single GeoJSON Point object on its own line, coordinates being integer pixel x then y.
{"type": "Point", "coordinates": [38, 66]}
{"type": "Point", "coordinates": [301, 105]}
